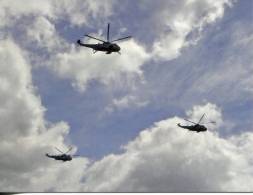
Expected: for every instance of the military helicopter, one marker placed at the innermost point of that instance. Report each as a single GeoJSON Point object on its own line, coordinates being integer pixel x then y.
{"type": "Point", "coordinates": [63, 157]}
{"type": "Point", "coordinates": [197, 126]}
{"type": "Point", "coordinates": [107, 46]}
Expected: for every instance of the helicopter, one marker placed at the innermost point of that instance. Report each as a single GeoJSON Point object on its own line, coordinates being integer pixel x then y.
{"type": "Point", "coordinates": [197, 126]}
{"type": "Point", "coordinates": [106, 46]}
{"type": "Point", "coordinates": [63, 157]}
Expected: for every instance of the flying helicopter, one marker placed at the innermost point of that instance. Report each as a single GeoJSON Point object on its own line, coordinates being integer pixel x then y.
{"type": "Point", "coordinates": [63, 157]}
{"type": "Point", "coordinates": [198, 127]}
{"type": "Point", "coordinates": [106, 46]}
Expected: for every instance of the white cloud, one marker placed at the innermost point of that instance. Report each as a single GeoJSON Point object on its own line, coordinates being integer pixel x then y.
{"type": "Point", "coordinates": [176, 21]}
{"type": "Point", "coordinates": [12, 11]}
{"type": "Point", "coordinates": [43, 33]}
{"type": "Point", "coordinates": [228, 78]}
{"type": "Point", "coordinates": [76, 11]}
{"type": "Point", "coordinates": [179, 19]}
{"type": "Point", "coordinates": [161, 158]}
{"type": "Point", "coordinates": [212, 114]}
{"type": "Point", "coordinates": [80, 12]}
{"type": "Point", "coordinates": [165, 158]}
{"type": "Point", "coordinates": [81, 66]}
{"type": "Point", "coordinates": [34, 26]}
{"type": "Point", "coordinates": [25, 135]}
{"type": "Point", "coordinates": [128, 101]}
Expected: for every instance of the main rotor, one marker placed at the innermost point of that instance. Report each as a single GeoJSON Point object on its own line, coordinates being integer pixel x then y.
{"type": "Point", "coordinates": [199, 122]}
{"type": "Point", "coordinates": [64, 152]}
{"type": "Point", "coordinates": [108, 37]}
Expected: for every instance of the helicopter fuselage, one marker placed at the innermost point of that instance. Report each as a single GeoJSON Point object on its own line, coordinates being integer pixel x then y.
{"type": "Point", "coordinates": [198, 128]}
{"type": "Point", "coordinates": [105, 47]}
{"type": "Point", "coordinates": [62, 157]}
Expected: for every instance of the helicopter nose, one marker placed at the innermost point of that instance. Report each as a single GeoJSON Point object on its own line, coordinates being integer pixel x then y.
{"type": "Point", "coordinates": [117, 47]}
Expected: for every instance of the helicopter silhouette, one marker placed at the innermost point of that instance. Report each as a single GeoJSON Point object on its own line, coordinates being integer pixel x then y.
{"type": "Point", "coordinates": [198, 127]}
{"type": "Point", "coordinates": [63, 157]}
{"type": "Point", "coordinates": [107, 46]}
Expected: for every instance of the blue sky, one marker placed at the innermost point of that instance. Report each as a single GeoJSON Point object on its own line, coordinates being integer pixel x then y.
{"type": "Point", "coordinates": [120, 112]}
{"type": "Point", "coordinates": [167, 81]}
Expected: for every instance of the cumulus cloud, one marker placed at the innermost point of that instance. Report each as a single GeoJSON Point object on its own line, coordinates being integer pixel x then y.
{"type": "Point", "coordinates": [180, 19]}
{"type": "Point", "coordinates": [46, 47]}
{"type": "Point", "coordinates": [81, 66]}
{"type": "Point", "coordinates": [25, 135]}
{"type": "Point", "coordinates": [31, 23]}
{"type": "Point", "coordinates": [165, 158]}
{"type": "Point", "coordinates": [181, 25]}
{"type": "Point", "coordinates": [212, 114]}
{"type": "Point", "coordinates": [162, 158]}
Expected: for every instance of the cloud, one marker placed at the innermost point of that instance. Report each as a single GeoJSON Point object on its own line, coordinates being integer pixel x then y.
{"type": "Point", "coordinates": [217, 69]}
{"type": "Point", "coordinates": [175, 31]}
{"type": "Point", "coordinates": [125, 102]}
{"type": "Point", "coordinates": [81, 66]}
{"type": "Point", "coordinates": [43, 42]}
{"type": "Point", "coordinates": [43, 33]}
{"type": "Point", "coordinates": [179, 24]}
{"type": "Point", "coordinates": [161, 158]}
{"type": "Point", "coordinates": [183, 24]}
{"type": "Point", "coordinates": [165, 158]}
{"type": "Point", "coordinates": [46, 47]}
{"type": "Point", "coordinates": [212, 113]}
{"type": "Point", "coordinates": [37, 27]}
{"type": "Point", "coordinates": [231, 71]}
{"type": "Point", "coordinates": [25, 136]}
{"type": "Point", "coordinates": [80, 12]}
{"type": "Point", "coordinates": [76, 11]}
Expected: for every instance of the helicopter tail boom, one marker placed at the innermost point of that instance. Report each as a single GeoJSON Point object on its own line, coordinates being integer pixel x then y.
{"type": "Point", "coordinates": [185, 127]}
{"type": "Point", "coordinates": [85, 45]}
{"type": "Point", "coordinates": [48, 155]}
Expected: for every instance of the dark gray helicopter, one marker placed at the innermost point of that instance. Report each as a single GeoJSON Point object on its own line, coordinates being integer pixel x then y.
{"type": "Point", "coordinates": [107, 46]}
{"type": "Point", "coordinates": [63, 157]}
{"type": "Point", "coordinates": [197, 126]}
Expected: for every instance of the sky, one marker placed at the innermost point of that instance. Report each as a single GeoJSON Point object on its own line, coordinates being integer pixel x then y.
{"type": "Point", "coordinates": [120, 112]}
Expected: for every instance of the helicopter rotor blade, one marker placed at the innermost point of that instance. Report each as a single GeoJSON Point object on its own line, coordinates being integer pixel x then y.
{"type": "Point", "coordinates": [108, 32]}
{"type": "Point", "coordinates": [69, 150]}
{"type": "Point", "coordinates": [128, 37]}
{"type": "Point", "coordinates": [59, 150]}
{"type": "Point", "coordinates": [190, 121]}
{"type": "Point", "coordinates": [211, 122]}
{"type": "Point", "coordinates": [201, 118]}
{"type": "Point", "coordinates": [95, 38]}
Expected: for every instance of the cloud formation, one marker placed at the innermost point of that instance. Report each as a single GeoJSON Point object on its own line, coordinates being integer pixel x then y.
{"type": "Point", "coordinates": [180, 24]}
{"type": "Point", "coordinates": [162, 158]}
{"type": "Point", "coordinates": [77, 12]}
{"type": "Point", "coordinates": [25, 135]}
{"type": "Point", "coordinates": [81, 66]}
{"type": "Point", "coordinates": [165, 158]}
